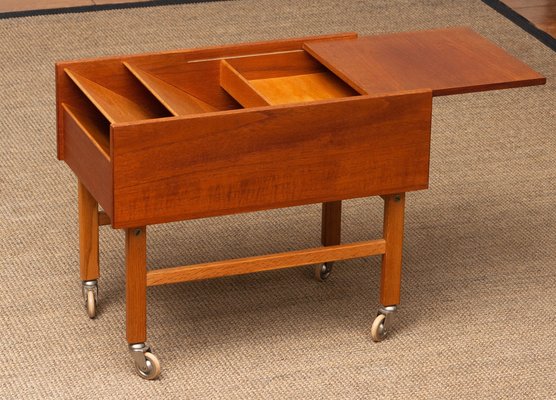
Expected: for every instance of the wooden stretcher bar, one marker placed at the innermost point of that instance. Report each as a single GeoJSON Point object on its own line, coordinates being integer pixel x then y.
{"type": "Point", "coordinates": [265, 263]}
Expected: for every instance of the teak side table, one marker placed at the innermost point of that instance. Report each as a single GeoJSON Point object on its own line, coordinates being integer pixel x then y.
{"type": "Point", "coordinates": [186, 134]}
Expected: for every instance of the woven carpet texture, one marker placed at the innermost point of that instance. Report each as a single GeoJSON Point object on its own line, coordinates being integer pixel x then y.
{"type": "Point", "coordinates": [477, 317]}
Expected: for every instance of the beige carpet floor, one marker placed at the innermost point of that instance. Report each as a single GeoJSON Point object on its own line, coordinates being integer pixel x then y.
{"type": "Point", "coordinates": [477, 319]}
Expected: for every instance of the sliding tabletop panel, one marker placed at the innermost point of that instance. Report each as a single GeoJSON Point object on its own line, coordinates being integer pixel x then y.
{"type": "Point", "coordinates": [448, 61]}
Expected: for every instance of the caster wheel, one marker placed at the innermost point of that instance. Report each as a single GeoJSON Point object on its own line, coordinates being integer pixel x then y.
{"type": "Point", "coordinates": [378, 332]}
{"type": "Point", "coordinates": [152, 370]}
{"type": "Point", "coordinates": [322, 271]}
{"type": "Point", "coordinates": [91, 304]}
{"type": "Point", "coordinates": [90, 295]}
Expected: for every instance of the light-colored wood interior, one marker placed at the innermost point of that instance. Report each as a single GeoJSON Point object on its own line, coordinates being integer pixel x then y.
{"type": "Point", "coordinates": [115, 107]}
{"type": "Point", "coordinates": [239, 88]}
{"type": "Point", "coordinates": [300, 88]}
{"type": "Point", "coordinates": [281, 78]}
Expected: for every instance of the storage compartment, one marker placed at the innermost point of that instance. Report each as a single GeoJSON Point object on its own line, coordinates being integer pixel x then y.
{"type": "Point", "coordinates": [93, 125]}
{"type": "Point", "coordinates": [168, 137]}
{"type": "Point", "coordinates": [184, 88]}
{"type": "Point", "coordinates": [87, 151]}
{"type": "Point", "coordinates": [280, 78]}
{"type": "Point", "coordinates": [119, 99]}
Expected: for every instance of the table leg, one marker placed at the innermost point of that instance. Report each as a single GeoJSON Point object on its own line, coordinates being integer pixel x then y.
{"type": "Point", "coordinates": [136, 284]}
{"type": "Point", "coordinates": [88, 234]}
{"type": "Point", "coordinates": [331, 223]}
{"type": "Point", "coordinates": [390, 280]}
{"type": "Point", "coordinates": [88, 248]}
{"type": "Point", "coordinates": [146, 363]}
{"type": "Point", "coordinates": [330, 235]}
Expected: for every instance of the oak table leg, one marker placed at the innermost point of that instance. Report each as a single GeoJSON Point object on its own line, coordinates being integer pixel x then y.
{"type": "Point", "coordinates": [390, 279]}
{"type": "Point", "coordinates": [330, 235]}
{"type": "Point", "coordinates": [146, 363]}
{"type": "Point", "coordinates": [88, 248]}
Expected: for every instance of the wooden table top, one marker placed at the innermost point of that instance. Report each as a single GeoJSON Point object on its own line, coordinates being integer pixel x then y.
{"type": "Point", "coordinates": [448, 61]}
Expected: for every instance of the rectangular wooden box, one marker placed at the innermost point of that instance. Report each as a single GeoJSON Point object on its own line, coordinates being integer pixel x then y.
{"type": "Point", "coordinates": [195, 133]}
{"type": "Point", "coordinates": [174, 136]}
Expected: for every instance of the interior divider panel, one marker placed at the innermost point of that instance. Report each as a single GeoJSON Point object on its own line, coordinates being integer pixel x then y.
{"type": "Point", "coordinates": [282, 78]}
{"type": "Point", "coordinates": [240, 88]}
{"type": "Point", "coordinates": [176, 100]}
{"type": "Point", "coordinates": [277, 64]}
{"type": "Point", "coordinates": [114, 106]}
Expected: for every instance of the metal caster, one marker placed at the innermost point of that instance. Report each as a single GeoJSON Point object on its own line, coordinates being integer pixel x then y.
{"type": "Point", "coordinates": [383, 322]}
{"type": "Point", "coordinates": [322, 271]}
{"type": "Point", "coordinates": [146, 363]}
{"type": "Point", "coordinates": [90, 294]}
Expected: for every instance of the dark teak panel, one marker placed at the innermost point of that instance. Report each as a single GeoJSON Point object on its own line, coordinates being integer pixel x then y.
{"type": "Point", "coordinates": [270, 157]}
{"type": "Point", "coordinates": [448, 61]}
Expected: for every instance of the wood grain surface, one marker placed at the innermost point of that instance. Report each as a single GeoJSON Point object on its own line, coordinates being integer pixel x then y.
{"type": "Point", "coordinates": [87, 161]}
{"type": "Point", "coordinates": [199, 78]}
{"type": "Point", "coordinates": [302, 88]}
{"type": "Point", "coordinates": [280, 78]}
{"type": "Point", "coordinates": [92, 127]}
{"type": "Point", "coordinates": [240, 88]}
{"type": "Point", "coordinates": [27, 5]}
{"type": "Point", "coordinates": [265, 263]}
{"type": "Point", "coordinates": [448, 61]}
{"type": "Point", "coordinates": [541, 13]}
{"type": "Point", "coordinates": [176, 100]}
{"type": "Point", "coordinates": [270, 157]}
{"type": "Point", "coordinates": [114, 106]}
{"type": "Point", "coordinates": [136, 284]}
{"type": "Point", "coordinates": [390, 278]}
{"type": "Point", "coordinates": [88, 234]}
{"type": "Point", "coordinates": [331, 231]}
{"type": "Point", "coordinates": [276, 65]}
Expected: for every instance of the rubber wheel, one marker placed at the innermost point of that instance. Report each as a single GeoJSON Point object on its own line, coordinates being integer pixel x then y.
{"type": "Point", "coordinates": [91, 304]}
{"type": "Point", "coordinates": [322, 271]}
{"type": "Point", "coordinates": [153, 367]}
{"type": "Point", "coordinates": [377, 329]}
